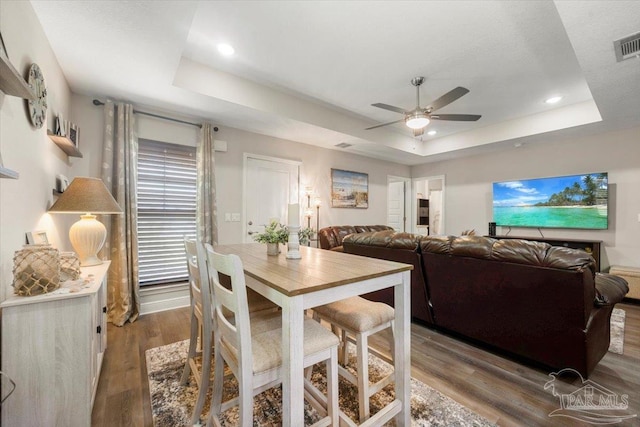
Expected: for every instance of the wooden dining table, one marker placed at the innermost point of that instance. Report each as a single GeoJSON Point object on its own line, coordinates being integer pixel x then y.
{"type": "Point", "coordinates": [321, 277]}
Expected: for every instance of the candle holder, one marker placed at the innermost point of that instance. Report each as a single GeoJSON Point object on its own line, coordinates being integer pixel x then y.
{"type": "Point", "coordinates": [293, 245]}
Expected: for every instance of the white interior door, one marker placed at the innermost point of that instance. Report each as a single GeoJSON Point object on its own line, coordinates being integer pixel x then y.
{"type": "Point", "coordinates": [270, 185]}
{"type": "Point", "coordinates": [396, 218]}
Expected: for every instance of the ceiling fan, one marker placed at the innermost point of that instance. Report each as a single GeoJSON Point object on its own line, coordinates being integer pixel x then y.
{"type": "Point", "coordinates": [418, 118]}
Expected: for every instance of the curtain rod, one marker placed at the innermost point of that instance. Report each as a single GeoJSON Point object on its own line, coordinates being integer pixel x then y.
{"type": "Point", "coordinates": [215, 129]}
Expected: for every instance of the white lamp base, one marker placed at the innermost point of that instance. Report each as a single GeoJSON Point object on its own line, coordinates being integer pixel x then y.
{"type": "Point", "coordinates": [87, 237]}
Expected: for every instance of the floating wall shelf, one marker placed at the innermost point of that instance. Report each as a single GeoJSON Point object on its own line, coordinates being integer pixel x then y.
{"type": "Point", "coordinates": [12, 83]}
{"type": "Point", "coordinates": [65, 144]}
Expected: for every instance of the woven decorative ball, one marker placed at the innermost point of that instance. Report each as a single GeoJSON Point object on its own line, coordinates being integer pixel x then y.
{"type": "Point", "coordinates": [36, 270]}
{"type": "Point", "coordinates": [69, 266]}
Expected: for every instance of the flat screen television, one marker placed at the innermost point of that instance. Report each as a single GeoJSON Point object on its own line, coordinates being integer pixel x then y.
{"type": "Point", "coordinates": [575, 201]}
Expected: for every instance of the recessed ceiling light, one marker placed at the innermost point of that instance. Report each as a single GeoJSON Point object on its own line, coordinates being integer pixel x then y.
{"type": "Point", "coordinates": [225, 49]}
{"type": "Point", "coordinates": [553, 100]}
{"type": "Point", "coordinates": [432, 132]}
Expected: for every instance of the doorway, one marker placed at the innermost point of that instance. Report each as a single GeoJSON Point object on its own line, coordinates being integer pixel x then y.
{"type": "Point", "coordinates": [428, 198]}
{"type": "Point", "coordinates": [270, 184]}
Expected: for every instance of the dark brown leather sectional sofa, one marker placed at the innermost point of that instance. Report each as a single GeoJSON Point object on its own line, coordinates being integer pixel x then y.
{"type": "Point", "coordinates": [541, 302]}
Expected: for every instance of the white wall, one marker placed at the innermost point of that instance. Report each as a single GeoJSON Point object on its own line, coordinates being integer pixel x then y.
{"type": "Point", "coordinates": [315, 170]}
{"type": "Point", "coordinates": [468, 192]}
{"type": "Point", "coordinates": [23, 202]}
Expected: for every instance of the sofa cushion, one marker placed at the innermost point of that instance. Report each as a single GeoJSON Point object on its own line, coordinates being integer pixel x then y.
{"type": "Point", "coordinates": [386, 239]}
{"type": "Point", "coordinates": [436, 244]}
{"type": "Point", "coordinates": [472, 246]}
{"type": "Point", "coordinates": [341, 231]}
{"type": "Point", "coordinates": [331, 237]}
{"type": "Point", "coordinates": [571, 259]}
{"type": "Point", "coordinates": [520, 251]}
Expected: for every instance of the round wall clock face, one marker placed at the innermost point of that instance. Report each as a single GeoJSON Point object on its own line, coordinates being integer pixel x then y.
{"type": "Point", "coordinates": [38, 106]}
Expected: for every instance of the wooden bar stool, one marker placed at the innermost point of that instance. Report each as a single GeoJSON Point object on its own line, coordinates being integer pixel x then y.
{"type": "Point", "coordinates": [358, 318]}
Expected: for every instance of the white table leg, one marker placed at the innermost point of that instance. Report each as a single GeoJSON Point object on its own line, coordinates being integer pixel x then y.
{"type": "Point", "coordinates": [292, 363]}
{"type": "Point", "coordinates": [402, 355]}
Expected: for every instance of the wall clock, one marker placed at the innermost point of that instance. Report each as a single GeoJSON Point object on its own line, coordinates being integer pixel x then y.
{"type": "Point", "coordinates": [37, 106]}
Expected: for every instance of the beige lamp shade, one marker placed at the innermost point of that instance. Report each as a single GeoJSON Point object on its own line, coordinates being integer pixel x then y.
{"type": "Point", "coordinates": [87, 196]}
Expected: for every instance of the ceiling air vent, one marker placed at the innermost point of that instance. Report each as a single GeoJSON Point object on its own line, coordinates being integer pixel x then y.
{"type": "Point", "coordinates": [628, 47]}
{"type": "Point", "coordinates": [343, 145]}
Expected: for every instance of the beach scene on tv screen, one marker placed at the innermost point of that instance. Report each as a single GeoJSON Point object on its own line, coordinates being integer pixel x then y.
{"type": "Point", "coordinates": [576, 201]}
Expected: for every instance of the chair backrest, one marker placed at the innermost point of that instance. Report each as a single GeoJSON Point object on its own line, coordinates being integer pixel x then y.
{"type": "Point", "coordinates": [233, 331]}
{"type": "Point", "coordinates": [199, 276]}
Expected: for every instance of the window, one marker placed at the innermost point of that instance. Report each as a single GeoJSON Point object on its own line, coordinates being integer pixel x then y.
{"type": "Point", "coordinates": [166, 210]}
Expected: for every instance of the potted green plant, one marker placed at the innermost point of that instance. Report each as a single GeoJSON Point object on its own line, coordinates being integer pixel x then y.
{"type": "Point", "coordinates": [274, 234]}
{"type": "Point", "coordinates": [305, 235]}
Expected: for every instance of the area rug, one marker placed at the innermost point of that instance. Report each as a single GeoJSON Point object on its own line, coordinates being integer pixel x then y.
{"type": "Point", "coordinates": [616, 345]}
{"type": "Point", "coordinates": [172, 404]}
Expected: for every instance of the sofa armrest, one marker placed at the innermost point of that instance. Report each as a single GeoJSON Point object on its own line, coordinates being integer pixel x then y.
{"type": "Point", "coordinates": [327, 238]}
{"type": "Point", "coordinates": [610, 289]}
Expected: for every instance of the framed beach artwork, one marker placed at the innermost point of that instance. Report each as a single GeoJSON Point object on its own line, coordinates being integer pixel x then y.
{"type": "Point", "coordinates": [349, 189]}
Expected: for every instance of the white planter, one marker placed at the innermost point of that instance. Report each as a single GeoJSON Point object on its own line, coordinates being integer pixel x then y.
{"type": "Point", "coordinates": [273, 248]}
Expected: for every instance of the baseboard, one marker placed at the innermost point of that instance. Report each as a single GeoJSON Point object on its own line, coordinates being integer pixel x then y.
{"type": "Point", "coordinates": [164, 298]}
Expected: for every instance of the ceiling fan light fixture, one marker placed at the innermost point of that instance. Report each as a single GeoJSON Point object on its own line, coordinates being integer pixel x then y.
{"type": "Point", "coordinates": [417, 120]}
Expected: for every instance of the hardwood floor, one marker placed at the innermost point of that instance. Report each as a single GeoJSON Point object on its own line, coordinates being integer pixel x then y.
{"type": "Point", "coordinates": [495, 386]}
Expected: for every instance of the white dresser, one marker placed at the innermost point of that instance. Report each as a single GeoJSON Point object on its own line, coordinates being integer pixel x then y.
{"type": "Point", "coordinates": [52, 347]}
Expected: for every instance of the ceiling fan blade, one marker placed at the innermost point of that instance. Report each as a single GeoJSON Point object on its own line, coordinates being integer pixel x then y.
{"type": "Point", "coordinates": [418, 132]}
{"type": "Point", "coordinates": [390, 108]}
{"type": "Point", "coordinates": [385, 124]}
{"type": "Point", "coordinates": [456, 117]}
{"type": "Point", "coordinates": [448, 98]}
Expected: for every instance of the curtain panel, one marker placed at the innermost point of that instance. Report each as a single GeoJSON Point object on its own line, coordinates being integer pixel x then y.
{"type": "Point", "coordinates": [119, 173]}
{"type": "Point", "coordinates": [206, 210]}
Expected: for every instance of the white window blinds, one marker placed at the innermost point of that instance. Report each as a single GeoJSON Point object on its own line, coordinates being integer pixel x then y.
{"type": "Point", "coordinates": [166, 210]}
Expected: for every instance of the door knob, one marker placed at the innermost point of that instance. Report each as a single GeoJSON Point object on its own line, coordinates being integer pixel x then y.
{"type": "Point", "coordinates": [249, 233]}
{"type": "Point", "coordinates": [250, 223]}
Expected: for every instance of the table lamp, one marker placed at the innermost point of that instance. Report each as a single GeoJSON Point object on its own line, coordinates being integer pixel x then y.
{"type": "Point", "coordinates": [87, 196]}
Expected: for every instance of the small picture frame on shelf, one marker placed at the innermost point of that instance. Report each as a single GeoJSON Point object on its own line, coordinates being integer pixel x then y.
{"type": "Point", "coordinates": [60, 126]}
{"type": "Point", "coordinates": [74, 134]}
{"type": "Point", "coordinates": [37, 237]}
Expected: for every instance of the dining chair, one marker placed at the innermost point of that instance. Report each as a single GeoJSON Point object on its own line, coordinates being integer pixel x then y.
{"type": "Point", "coordinates": [202, 322]}
{"type": "Point", "coordinates": [201, 334]}
{"type": "Point", "coordinates": [252, 348]}
{"type": "Point", "coordinates": [358, 318]}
